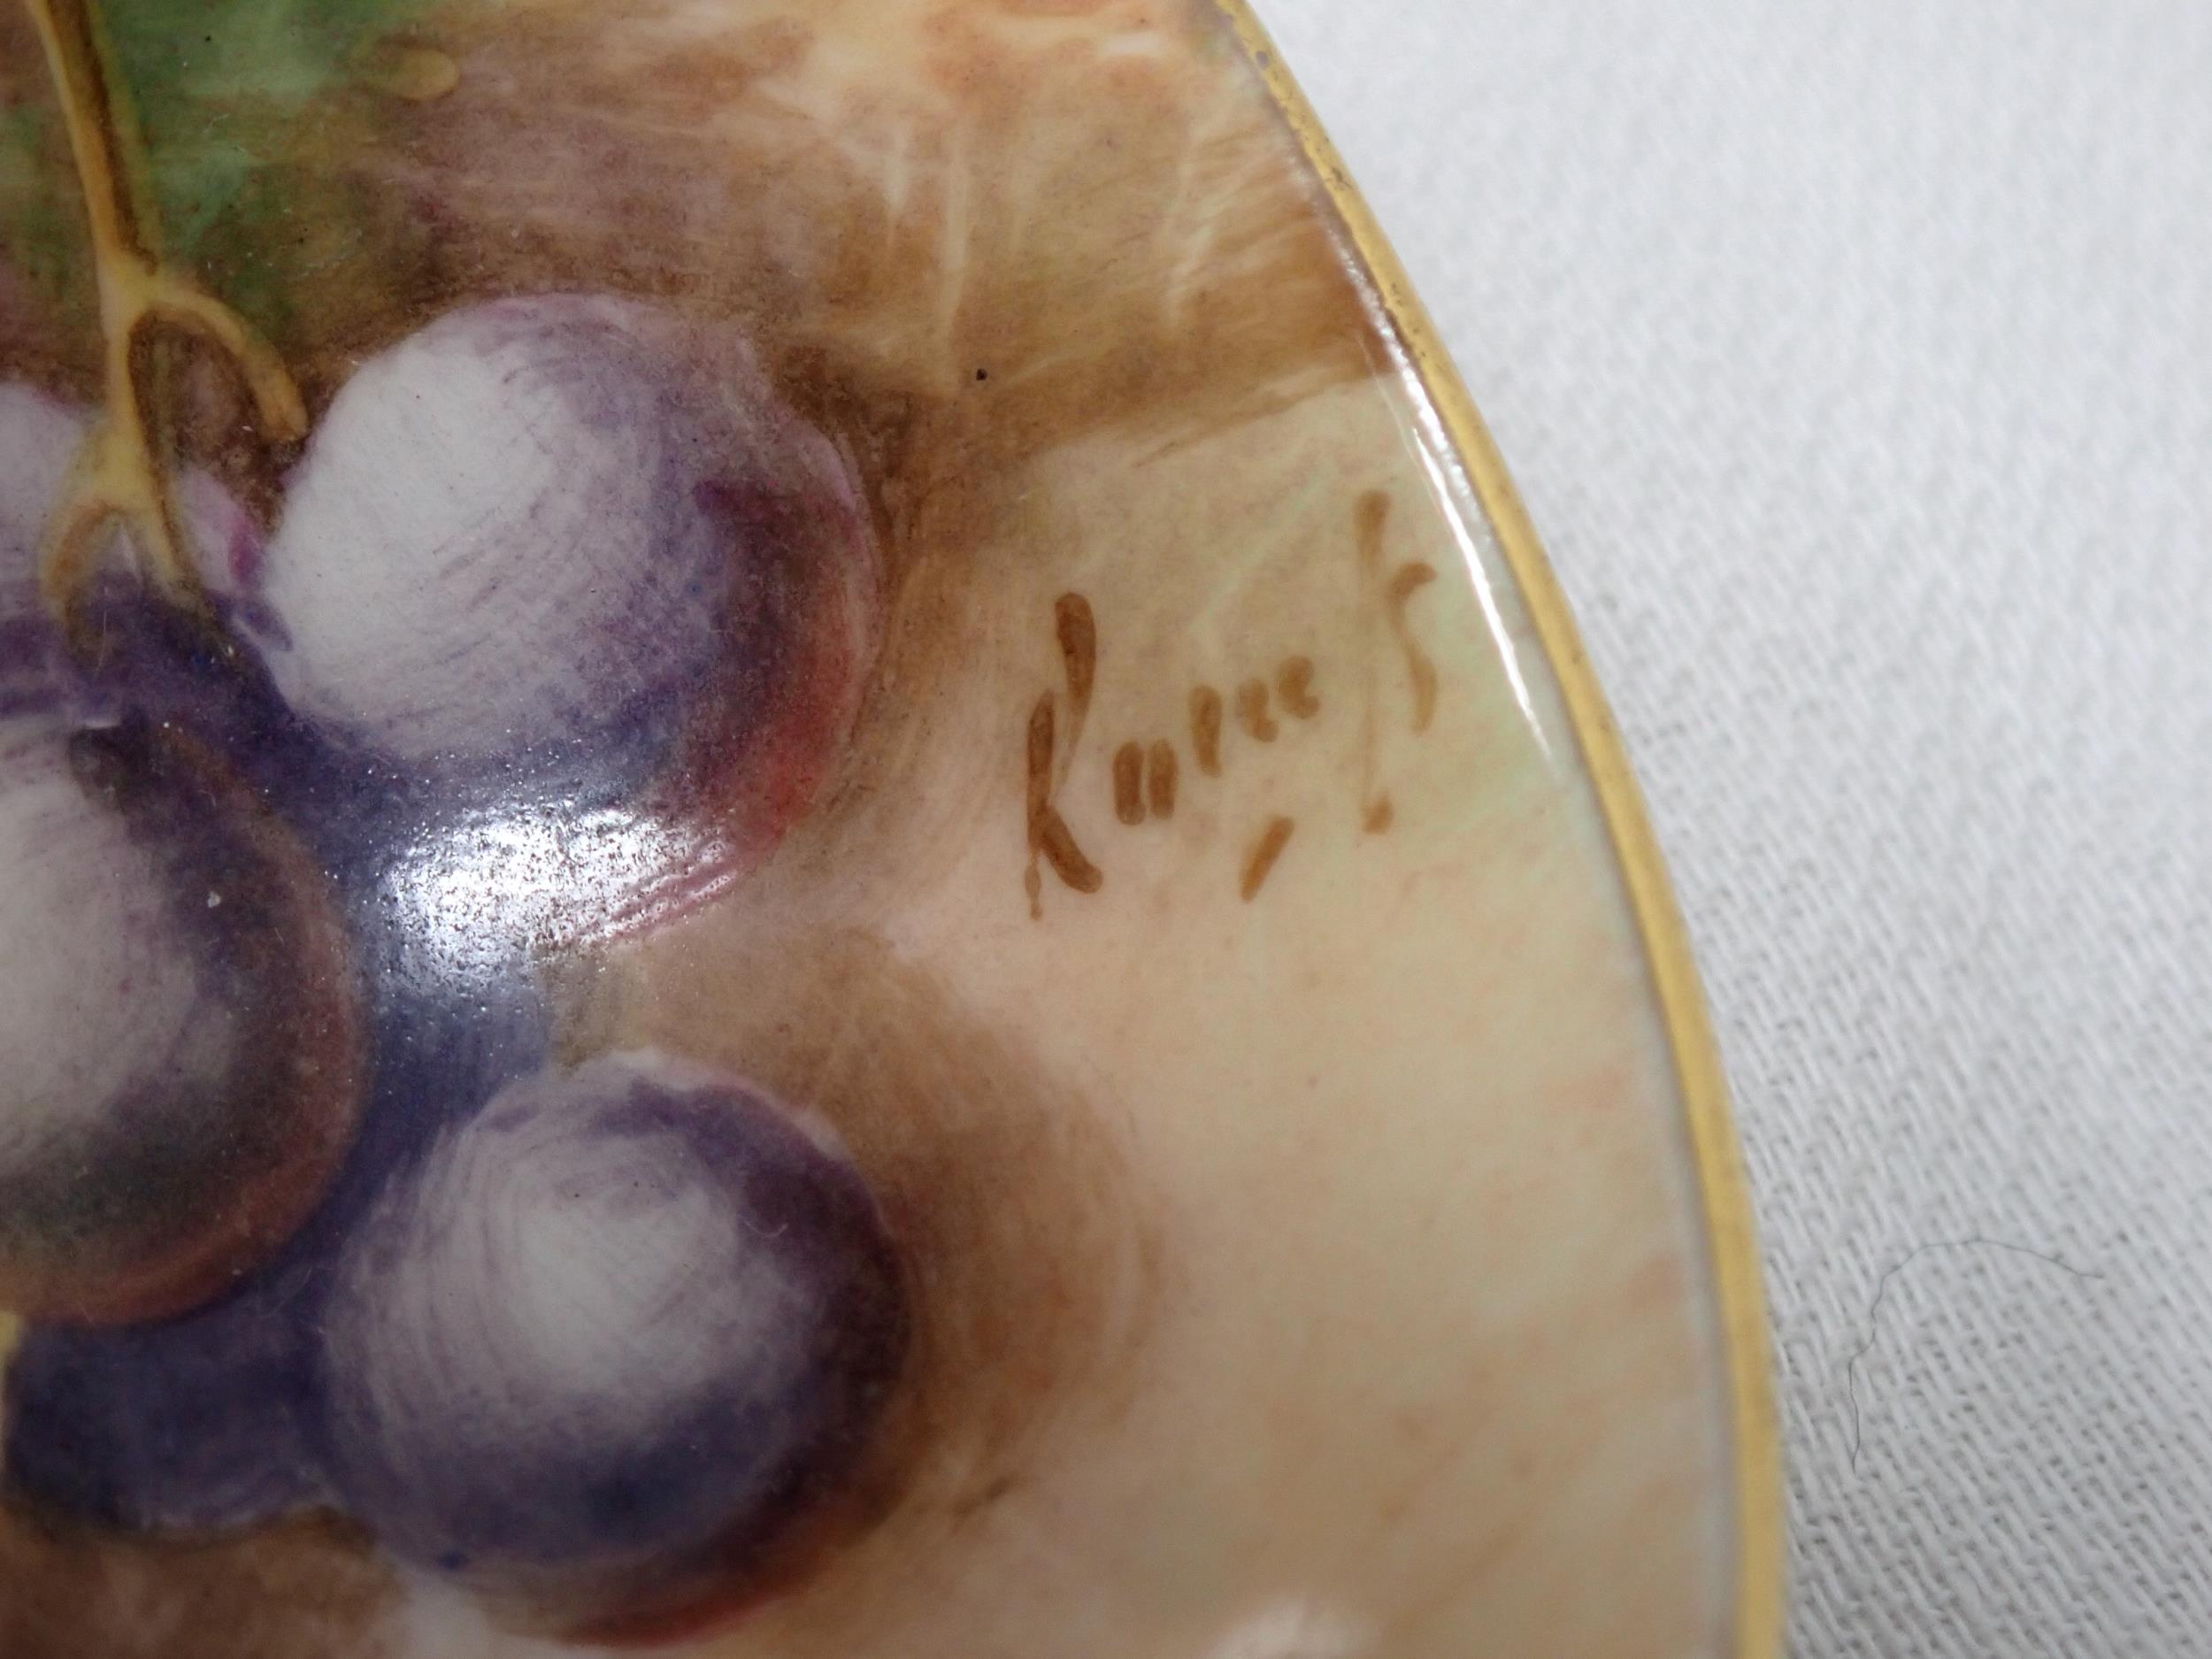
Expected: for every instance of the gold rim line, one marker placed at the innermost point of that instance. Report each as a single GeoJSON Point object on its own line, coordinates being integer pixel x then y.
{"type": "Point", "coordinates": [1723, 1188]}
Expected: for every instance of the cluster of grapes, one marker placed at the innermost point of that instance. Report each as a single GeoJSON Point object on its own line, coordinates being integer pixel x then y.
{"type": "Point", "coordinates": [560, 624]}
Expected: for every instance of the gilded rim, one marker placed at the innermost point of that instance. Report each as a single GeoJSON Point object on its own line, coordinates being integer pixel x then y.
{"type": "Point", "coordinates": [1725, 1193]}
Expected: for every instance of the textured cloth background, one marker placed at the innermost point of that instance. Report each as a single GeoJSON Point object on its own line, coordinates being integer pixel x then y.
{"type": "Point", "coordinates": [1856, 359]}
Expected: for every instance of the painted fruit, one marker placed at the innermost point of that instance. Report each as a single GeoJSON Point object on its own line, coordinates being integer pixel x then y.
{"type": "Point", "coordinates": [181, 1046]}
{"type": "Point", "coordinates": [205, 1423]}
{"type": "Point", "coordinates": [570, 541]}
{"type": "Point", "coordinates": [625, 1329]}
{"type": "Point", "coordinates": [194, 1426]}
{"type": "Point", "coordinates": [38, 439]}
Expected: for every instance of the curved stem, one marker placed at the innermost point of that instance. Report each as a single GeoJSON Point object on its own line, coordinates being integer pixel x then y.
{"type": "Point", "coordinates": [122, 478]}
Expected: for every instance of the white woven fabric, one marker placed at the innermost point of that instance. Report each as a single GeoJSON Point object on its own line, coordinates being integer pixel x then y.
{"type": "Point", "coordinates": [1856, 359]}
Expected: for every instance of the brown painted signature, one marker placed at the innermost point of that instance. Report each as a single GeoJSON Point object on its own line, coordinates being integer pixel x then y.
{"type": "Point", "coordinates": [1146, 776]}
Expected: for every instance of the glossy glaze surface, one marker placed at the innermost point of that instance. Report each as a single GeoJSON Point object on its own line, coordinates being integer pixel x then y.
{"type": "Point", "coordinates": [965, 991]}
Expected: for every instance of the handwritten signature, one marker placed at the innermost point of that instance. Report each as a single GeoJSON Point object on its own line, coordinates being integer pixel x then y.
{"type": "Point", "coordinates": [1146, 776]}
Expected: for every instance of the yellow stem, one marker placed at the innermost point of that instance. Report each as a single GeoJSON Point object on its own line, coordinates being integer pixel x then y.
{"type": "Point", "coordinates": [122, 477]}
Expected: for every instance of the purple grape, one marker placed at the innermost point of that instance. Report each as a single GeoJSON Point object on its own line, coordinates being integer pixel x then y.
{"type": "Point", "coordinates": [620, 1329]}
{"type": "Point", "coordinates": [181, 1049]}
{"type": "Point", "coordinates": [192, 1426]}
{"type": "Point", "coordinates": [201, 1423]}
{"type": "Point", "coordinates": [38, 438]}
{"type": "Point", "coordinates": [545, 528]}
{"type": "Point", "coordinates": [566, 574]}
{"type": "Point", "coordinates": [205, 1423]}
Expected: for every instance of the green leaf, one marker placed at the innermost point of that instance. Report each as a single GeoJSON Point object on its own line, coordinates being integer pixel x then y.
{"type": "Point", "coordinates": [221, 87]}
